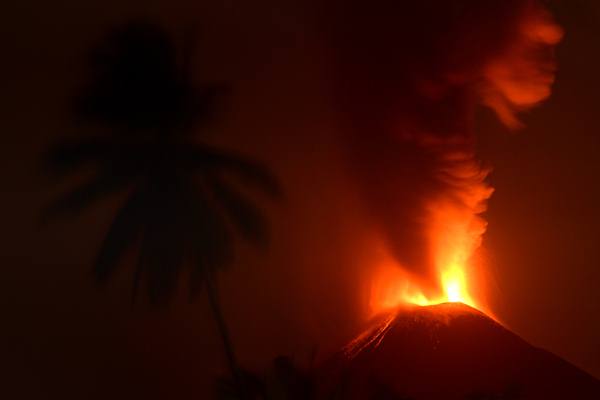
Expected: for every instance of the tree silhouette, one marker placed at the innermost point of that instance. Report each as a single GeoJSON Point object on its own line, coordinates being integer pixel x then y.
{"type": "Point", "coordinates": [183, 202]}
{"type": "Point", "coordinates": [284, 380]}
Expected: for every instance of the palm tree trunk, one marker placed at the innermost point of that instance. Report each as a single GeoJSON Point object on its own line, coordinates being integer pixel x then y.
{"type": "Point", "coordinates": [215, 306]}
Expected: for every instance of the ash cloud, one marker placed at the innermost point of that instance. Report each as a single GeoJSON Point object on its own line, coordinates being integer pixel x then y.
{"type": "Point", "coordinates": [409, 76]}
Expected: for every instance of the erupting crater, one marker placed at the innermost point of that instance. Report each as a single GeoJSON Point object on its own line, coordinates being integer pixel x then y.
{"type": "Point", "coordinates": [394, 287]}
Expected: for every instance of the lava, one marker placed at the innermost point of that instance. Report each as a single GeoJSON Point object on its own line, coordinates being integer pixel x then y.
{"type": "Point", "coordinates": [455, 235]}
{"type": "Point", "coordinates": [393, 287]}
{"type": "Point", "coordinates": [458, 283]}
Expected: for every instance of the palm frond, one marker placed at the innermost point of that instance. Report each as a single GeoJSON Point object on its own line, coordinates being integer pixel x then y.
{"type": "Point", "coordinates": [161, 259]}
{"type": "Point", "coordinates": [210, 241]}
{"type": "Point", "coordinates": [72, 203]}
{"type": "Point", "coordinates": [245, 216]}
{"type": "Point", "coordinates": [248, 171]}
{"type": "Point", "coordinates": [165, 237]}
{"type": "Point", "coordinates": [68, 155]}
{"type": "Point", "coordinates": [124, 231]}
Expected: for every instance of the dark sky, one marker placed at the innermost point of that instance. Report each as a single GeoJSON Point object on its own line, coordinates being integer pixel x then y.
{"type": "Point", "coordinates": [543, 218]}
{"type": "Point", "coordinates": [65, 338]}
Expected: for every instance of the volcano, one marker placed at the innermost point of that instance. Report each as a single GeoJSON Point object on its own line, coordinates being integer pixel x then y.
{"type": "Point", "coordinates": [449, 351]}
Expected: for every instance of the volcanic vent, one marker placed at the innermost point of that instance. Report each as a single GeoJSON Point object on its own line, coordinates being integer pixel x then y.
{"type": "Point", "coordinates": [449, 351]}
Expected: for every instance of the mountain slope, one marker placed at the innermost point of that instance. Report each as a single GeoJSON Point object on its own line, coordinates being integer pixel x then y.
{"type": "Point", "coordinates": [449, 351]}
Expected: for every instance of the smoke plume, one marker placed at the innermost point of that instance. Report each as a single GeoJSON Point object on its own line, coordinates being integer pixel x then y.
{"type": "Point", "coordinates": [409, 76]}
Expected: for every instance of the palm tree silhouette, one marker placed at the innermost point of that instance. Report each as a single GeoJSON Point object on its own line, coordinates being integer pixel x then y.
{"type": "Point", "coordinates": [183, 204]}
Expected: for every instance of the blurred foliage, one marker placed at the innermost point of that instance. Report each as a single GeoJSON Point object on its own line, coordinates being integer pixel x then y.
{"type": "Point", "coordinates": [283, 381]}
{"type": "Point", "coordinates": [184, 200]}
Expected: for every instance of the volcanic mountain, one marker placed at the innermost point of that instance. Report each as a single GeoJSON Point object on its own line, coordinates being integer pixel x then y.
{"type": "Point", "coordinates": [449, 351]}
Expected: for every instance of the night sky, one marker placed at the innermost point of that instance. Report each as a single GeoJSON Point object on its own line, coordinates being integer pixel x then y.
{"type": "Point", "coordinates": [63, 337]}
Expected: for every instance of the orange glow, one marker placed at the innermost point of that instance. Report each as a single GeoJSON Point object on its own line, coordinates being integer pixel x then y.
{"type": "Point", "coordinates": [394, 287]}
{"type": "Point", "coordinates": [455, 230]}
{"type": "Point", "coordinates": [517, 77]}
{"type": "Point", "coordinates": [523, 74]}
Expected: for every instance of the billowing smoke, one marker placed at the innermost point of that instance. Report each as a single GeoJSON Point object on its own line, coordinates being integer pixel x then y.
{"type": "Point", "coordinates": [409, 76]}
